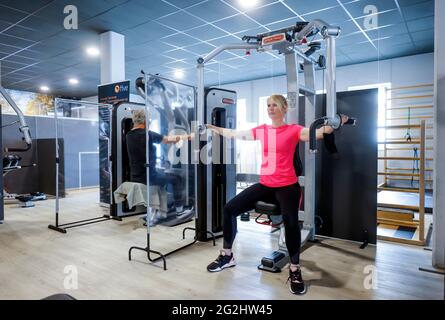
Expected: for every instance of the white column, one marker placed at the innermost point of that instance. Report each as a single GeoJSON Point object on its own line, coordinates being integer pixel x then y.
{"type": "Point", "coordinates": [439, 148]}
{"type": "Point", "coordinates": [112, 61]}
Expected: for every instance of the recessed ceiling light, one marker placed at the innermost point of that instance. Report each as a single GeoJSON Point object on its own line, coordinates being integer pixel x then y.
{"type": "Point", "coordinates": [179, 74]}
{"type": "Point", "coordinates": [73, 81]}
{"type": "Point", "coordinates": [44, 88]}
{"type": "Point", "coordinates": [248, 3]}
{"type": "Point", "coordinates": [93, 51]}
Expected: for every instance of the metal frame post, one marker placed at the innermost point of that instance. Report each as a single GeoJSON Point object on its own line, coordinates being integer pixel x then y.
{"type": "Point", "coordinates": [331, 90]}
{"type": "Point", "coordinates": [309, 159]}
{"type": "Point", "coordinates": [292, 86]}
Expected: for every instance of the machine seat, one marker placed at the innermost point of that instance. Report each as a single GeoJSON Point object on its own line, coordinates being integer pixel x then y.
{"type": "Point", "coordinates": [271, 209]}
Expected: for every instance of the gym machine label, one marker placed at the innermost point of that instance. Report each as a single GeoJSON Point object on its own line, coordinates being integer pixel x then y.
{"type": "Point", "coordinates": [276, 38]}
{"type": "Point", "coordinates": [228, 101]}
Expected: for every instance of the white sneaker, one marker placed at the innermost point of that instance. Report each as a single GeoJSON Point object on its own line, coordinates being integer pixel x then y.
{"type": "Point", "coordinates": [184, 212]}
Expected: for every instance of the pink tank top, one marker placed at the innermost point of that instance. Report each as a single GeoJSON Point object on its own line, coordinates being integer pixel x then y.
{"type": "Point", "coordinates": [278, 146]}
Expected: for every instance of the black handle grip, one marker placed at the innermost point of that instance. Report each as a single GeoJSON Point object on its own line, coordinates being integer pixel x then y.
{"type": "Point", "coordinates": [139, 83]}
{"type": "Point", "coordinates": [28, 146]}
{"type": "Point", "coordinates": [312, 134]}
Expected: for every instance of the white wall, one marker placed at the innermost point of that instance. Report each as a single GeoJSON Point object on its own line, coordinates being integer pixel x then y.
{"type": "Point", "coordinates": [400, 72]}
{"type": "Point", "coordinates": [439, 150]}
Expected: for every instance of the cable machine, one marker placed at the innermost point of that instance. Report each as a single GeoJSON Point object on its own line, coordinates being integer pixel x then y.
{"type": "Point", "coordinates": [24, 129]}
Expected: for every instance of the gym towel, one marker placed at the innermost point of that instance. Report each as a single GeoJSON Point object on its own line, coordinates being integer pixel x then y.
{"type": "Point", "coordinates": [136, 194]}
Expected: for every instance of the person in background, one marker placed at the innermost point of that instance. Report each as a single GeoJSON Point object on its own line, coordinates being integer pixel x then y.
{"type": "Point", "coordinates": [136, 148]}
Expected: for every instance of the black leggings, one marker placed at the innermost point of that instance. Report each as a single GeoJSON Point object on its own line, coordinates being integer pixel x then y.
{"type": "Point", "coordinates": [160, 178]}
{"type": "Point", "coordinates": [289, 199]}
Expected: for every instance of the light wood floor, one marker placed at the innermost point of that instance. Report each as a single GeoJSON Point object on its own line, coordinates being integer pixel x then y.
{"type": "Point", "coordinates": [33, 259]}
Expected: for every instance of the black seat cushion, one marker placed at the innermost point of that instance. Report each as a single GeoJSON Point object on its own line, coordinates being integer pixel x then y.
{"type": "Point", "coordinates": [267, 208]}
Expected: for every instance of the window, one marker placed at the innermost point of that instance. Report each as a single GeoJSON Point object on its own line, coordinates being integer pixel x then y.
{"type": "Point", "coordinates": [241, 114]}
{"type": "Point", "coordinates": [381, 132]}
{"type": "Point", "coordinates": [245, 163]}
{"type": "Point", "coordinates": [262, 111]}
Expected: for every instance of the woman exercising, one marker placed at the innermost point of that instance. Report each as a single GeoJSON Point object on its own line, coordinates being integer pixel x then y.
{"type": "Point", "coordinates": [277, 181]}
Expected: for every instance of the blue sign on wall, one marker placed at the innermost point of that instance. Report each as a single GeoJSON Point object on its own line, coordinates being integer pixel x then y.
{"type": "Point", "coordinates": [114, 93]}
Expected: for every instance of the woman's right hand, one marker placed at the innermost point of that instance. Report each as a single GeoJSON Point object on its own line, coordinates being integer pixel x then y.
{"type": "Point", "coordinates": [212, 127]}
{"type": "Point", "coordinates": [344, 119]}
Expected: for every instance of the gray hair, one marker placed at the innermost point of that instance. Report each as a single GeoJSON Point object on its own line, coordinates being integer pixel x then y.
{"type": "Point", "coordinates": [138, 117]}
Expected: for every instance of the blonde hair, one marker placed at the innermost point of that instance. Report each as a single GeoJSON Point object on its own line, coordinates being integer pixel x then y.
{"type": "Point", "coordinates": [281, 102]}
{"type": "Point", "coordinates": [138, 117]}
